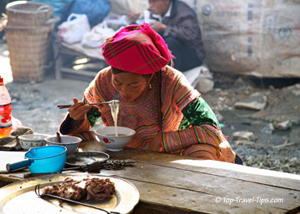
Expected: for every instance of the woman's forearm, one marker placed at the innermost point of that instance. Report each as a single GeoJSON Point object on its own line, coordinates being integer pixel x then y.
{"type": "Point", "coordinates": [182, 139]}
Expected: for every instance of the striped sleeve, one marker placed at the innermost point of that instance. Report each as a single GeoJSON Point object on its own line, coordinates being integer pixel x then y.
{"type": "Point", "coordinates": [182, 139]}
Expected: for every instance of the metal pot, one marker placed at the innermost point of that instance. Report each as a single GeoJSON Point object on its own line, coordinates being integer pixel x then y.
{"type": "Point", "coordinates": [47, 159]}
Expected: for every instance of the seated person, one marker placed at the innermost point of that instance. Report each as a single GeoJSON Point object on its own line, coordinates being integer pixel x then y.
{"type": "Point", "coordinates": [156, 100]}
{"type": "Point", "coordinates": [177, 23]}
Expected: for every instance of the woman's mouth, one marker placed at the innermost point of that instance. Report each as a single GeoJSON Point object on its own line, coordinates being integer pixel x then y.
{"type": "Point", "coordinates": [127, 98]}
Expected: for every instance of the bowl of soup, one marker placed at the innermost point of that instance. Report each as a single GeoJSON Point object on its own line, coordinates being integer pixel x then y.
{"type": "Point", "coordinates": [114, 138]}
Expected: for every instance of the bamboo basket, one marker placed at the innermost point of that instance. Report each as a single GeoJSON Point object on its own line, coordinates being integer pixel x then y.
{"type": "Point", "coordinates": [24, 13]}
{"type": "Point", "coordinates": [29, 34]}
{"type": "Point", "coordinates": [29, 52]}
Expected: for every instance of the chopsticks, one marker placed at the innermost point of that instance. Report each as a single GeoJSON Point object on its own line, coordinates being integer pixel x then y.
{"type": "Point", "coordinates": [68, 106]}
{"type": "Point", "coordinates": [37, 192]}
{"type": "Point", "coordinates": [94, 104]}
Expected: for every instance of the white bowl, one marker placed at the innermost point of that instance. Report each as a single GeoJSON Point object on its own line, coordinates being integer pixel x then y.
{"type": "Point", "coordinates": [32, 140]}
{"type": "Point", "coordinates": [106, 136]}
{"type": "Point", "coordinates": [71, 142]}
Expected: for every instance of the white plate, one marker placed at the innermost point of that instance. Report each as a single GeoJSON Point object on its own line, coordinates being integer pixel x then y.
{"type": "Point", "coordinates": [19, 197]}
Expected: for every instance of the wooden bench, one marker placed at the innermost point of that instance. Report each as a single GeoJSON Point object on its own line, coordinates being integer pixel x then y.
{"type": "Point", "coordinates": [65, 53]}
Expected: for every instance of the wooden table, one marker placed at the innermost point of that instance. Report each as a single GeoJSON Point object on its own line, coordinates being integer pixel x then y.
{"type": "Point", "coordinates": [178, 184]}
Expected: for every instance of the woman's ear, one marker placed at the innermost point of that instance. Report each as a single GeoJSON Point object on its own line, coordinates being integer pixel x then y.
{"type": "Point", "coordinates": [149, 80]}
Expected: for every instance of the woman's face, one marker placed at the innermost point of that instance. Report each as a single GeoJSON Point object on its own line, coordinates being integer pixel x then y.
{"type": "Point", "coordinates": [129, 85]}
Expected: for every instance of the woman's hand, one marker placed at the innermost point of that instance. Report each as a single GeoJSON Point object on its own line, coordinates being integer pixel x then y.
{"type": "Point", "coordinates": [155, 144]}
{"type": "Point", "coordinates": [78, 110]}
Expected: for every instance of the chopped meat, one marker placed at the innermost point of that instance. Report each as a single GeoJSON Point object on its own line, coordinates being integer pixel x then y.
{"type": "Point", "coordinates": [88, 188]}
{"type": "Point", "coordinates": [99, 189]}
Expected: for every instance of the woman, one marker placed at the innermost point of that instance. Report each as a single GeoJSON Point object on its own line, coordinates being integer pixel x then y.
{"type": "Point", "coordinates": [156, 100]}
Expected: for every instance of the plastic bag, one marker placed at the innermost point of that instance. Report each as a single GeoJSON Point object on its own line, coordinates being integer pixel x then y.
{"type": "Point", "coordinates": [73, 30]}
{"type": "Point", "coordinates": [97, 36]}
{"type": "Point", "coordinates": [96, 10]}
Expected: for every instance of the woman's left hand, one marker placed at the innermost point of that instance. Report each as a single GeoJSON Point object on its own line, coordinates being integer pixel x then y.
{"type": "Point", "coordinates": [155, 144]}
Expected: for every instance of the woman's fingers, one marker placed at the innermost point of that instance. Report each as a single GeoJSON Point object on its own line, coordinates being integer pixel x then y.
{"type": "Point", "coordinates": [78, 110]}
{"type": "Point", "coordinates": [75, 100]}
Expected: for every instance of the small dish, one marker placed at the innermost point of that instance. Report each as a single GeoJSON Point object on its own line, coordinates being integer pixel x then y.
{"type": "Point", "coordinates": [32, 140]}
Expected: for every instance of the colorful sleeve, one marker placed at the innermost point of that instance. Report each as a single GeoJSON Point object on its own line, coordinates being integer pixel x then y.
{"type": "Point", "coordinates": [93, 115]}
{"type": "Point", "coordinates": [67, 126]}
{"type": "Point", "coordinates": [199, 126]}
{"type": "Point", "coordinates": [198, 113]}
{"type": "Point", "coordinates": [182, 139]}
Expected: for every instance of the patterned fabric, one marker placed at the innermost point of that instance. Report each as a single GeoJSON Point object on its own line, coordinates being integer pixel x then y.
{"type": "Point", "coordinates": [148, 48]}
{"type": "Point", "coordinates": [198, 113]}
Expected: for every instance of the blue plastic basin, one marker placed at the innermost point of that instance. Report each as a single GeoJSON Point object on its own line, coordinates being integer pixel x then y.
{"type": "Point", "coordinates": [47, 159]}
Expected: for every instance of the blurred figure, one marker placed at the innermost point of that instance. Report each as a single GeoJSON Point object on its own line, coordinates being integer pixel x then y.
{"type": "Point", "coordinates": [177, 23]}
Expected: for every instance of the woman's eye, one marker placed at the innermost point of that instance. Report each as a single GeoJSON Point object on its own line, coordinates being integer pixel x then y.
{"type": "Point", "coordinates": [134, 86]}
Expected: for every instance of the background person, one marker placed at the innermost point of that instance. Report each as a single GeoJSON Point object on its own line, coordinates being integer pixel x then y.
{"type": "Point", "coordinates": [177, 23]}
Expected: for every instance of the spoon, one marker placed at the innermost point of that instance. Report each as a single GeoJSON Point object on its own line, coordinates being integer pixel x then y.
{"type": "Point", "coordinates": [58, 137]}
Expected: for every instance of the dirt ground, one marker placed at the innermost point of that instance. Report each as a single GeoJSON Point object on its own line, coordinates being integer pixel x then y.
{"type": "Point", "coordinates": [269, 147]}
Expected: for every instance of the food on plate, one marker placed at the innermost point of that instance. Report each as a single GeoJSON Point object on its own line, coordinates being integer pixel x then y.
{"type": "Point", "coordinates": [87, 188]}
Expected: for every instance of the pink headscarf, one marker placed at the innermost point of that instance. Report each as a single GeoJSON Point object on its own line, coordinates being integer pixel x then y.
{"type": "Point", "coordinates": [137, 49]}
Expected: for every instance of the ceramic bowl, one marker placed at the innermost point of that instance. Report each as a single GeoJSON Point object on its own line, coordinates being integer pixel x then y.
{"type": "Point", "coordinates": [107, 137]}
{"type": "Point", "coordinates": [71, 142]}
{"type": "Point", "coordinates": [32, 140]}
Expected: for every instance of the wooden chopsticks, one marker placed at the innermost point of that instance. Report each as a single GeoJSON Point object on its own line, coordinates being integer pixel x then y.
{"type": "Point", "coordinates": [94, 104]}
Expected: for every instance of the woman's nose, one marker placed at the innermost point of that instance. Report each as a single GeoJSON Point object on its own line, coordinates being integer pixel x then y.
{"type": "Point", "coordinates": [124, 90]}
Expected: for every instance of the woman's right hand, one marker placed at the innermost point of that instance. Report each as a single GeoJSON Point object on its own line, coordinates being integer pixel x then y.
{"type": "Point", "coordinates": [78, 110]}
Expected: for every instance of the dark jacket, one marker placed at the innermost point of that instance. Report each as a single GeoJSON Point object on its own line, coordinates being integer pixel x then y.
{"type": "Point", "coordinates": [183, 24]}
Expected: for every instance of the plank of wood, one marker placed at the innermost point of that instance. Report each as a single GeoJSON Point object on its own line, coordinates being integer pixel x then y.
{"type": "Point", "coordinates": [187, 201]}
{"type": "Point", "coordinates": [221, 169]}
{"type": "Point", "coordinates": [199, 183]}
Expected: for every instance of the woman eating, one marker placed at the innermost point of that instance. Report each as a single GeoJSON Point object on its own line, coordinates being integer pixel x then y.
{"type": "Point", "coordinates": [156, 100]}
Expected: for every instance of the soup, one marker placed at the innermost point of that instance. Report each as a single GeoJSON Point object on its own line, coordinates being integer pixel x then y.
{"type": "Point", "coordinates": [114, 135]}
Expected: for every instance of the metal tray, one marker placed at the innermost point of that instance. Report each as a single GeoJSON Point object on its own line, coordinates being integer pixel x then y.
{"type": "Point", "coordinates": [85, 158]}
{"type": "Point", "coordinates": [19, 197]}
